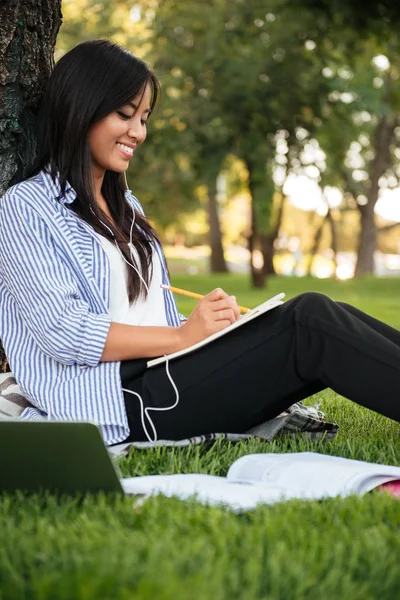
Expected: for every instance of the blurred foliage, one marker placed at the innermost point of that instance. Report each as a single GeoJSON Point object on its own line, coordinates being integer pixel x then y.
{"type": "Point", "coordinates": [236, 76]}
{"type": "Point", "coordinates": [111, 19]}
{"type": "Point", "coordinates": [363, 17]}
{"type": "Point", "coordinates": [290, 88]}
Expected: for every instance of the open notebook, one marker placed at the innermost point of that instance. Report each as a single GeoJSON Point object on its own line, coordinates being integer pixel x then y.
{"type": "Point", "coordinates": [249, 316]}
{"type": "Point", "coordinates": [268, 478]}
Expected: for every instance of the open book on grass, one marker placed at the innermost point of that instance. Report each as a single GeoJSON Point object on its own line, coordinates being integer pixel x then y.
{"type": "Point", "coordinates": [249, 316]}
{"type": "Point", "coordinates": [268, 478]}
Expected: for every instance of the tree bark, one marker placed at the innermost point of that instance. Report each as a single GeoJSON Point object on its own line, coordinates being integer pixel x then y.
{"type": "Point", "coordinates": [267, 249]}
{"type": "Point", "coordinates": [28, 34]}
{"type": "Point", "coordinates": [334, 239]}
{"type": "Point", "coordinates": [257, 275]}
{"type": "Point", "coordinates": [256, 176]}
{"type": "Point", "coordinates": [267, 240]}
{"type": "Point", "coordinates": [217, 258]}
{"type": "Point", "coordinates": [383, 139]}
{"type": "Point", "coordinates": [367, 244]}
{"type": "Point", "coordinates": [316, 242]}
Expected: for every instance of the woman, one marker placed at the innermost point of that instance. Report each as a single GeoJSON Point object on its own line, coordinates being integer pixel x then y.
{"type": "Point", "coordinates": [81, 305]}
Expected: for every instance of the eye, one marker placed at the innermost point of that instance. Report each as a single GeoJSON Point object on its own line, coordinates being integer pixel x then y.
{"type": "Point", "coordinates": [123, 115]}
{"type": "Point", "coordinates": [144, 122]}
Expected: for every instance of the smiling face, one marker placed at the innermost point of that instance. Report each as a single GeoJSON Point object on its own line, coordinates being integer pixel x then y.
{"type": "Point", "coordinates": [113, 140]}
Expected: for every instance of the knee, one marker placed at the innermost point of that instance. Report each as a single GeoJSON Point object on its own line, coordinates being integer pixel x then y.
{"type": "Point", "coordinates": [312, 301]}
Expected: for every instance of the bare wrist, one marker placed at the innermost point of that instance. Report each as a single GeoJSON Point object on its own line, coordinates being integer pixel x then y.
{"type": "Point", "coordinates": [180, 337]}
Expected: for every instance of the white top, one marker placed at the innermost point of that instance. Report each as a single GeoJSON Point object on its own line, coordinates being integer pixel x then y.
{"type": "Point", "coordinates": [144, 311]}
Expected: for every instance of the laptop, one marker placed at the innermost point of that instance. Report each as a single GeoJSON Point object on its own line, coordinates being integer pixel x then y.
{"type": "Point", "coordinates": [60, 457]}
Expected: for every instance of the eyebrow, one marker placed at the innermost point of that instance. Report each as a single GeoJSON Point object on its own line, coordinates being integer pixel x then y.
{"type": "Point", "coordinates": [148, 110]}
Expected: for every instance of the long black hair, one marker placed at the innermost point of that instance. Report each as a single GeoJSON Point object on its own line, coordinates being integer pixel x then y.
{"type": "Point", "coordinates": [89, 82]}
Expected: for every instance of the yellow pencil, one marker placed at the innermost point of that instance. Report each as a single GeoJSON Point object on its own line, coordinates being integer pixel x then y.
{"type": "Point", "coordinates": [243, 309]}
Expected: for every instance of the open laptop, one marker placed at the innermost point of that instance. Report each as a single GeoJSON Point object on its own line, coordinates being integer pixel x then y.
{"type": "Point", "coordinates": [62, 457]}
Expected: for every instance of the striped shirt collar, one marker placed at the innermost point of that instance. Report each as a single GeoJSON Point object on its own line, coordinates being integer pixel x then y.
{"type": "Point", "coordinates": [53, 186]}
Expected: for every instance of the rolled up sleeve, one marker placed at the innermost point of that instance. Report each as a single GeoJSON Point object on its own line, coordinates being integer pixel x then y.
{"type": "Point", "coordinates": [45, 290]}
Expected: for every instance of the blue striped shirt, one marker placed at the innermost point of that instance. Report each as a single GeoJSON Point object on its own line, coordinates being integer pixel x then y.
{"type": "Point", "coordinates": [54, 299]}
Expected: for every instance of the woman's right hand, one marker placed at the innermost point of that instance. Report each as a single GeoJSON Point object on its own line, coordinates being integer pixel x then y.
{"type": "Point", "coordinates": [212, 313]}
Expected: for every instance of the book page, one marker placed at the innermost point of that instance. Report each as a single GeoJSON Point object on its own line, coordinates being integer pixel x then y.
{"type": "Point", "coordinates": [311, 475]}
{"type": "Point", "coordinates": [374, 481]}
{"type": "Point", "coordinates": [207, 489]}
{"type": "Point", "coordinates": [252, 314]}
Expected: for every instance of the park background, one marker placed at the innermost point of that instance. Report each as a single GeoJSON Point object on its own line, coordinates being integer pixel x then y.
{"type": "Point", "coordinates": [275, 147]}
{"type": "Point", "coordinates": [277, 132]}
{"type": "Point", "coordinates": [274, 154]}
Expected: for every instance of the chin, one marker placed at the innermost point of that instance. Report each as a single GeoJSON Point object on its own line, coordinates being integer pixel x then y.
{"type": "Point", "coordinates": [120, 168]}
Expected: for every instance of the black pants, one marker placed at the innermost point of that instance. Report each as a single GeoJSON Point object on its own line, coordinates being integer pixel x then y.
{"type": "Point", "coordinates": [256, 371]}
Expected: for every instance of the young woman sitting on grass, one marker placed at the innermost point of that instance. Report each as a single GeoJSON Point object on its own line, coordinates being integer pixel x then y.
{"type": "Point", "coordinates": [81, 305]}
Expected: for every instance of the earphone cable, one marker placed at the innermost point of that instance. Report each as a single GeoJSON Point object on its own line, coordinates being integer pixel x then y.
{"type": "Point", "coordinates": [144, 412]}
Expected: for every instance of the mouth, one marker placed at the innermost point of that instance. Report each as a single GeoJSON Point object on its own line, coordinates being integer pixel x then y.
{"type": "Point", "coordinates": [127, 151]}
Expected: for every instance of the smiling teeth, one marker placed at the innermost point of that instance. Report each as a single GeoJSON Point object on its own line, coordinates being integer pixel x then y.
{"type": "Point", "coordinates": [125, 148]}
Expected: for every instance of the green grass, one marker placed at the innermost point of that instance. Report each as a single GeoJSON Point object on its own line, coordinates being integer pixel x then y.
{"type": "Point", "coordinates": [106, 548]}
{"type": "Point", "coordinates": [379, 297]}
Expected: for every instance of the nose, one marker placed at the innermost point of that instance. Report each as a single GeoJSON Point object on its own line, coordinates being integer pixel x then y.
{"type": "Point", "coordinates": [136, 131]}
{"type": "Point", "coordinates": [132, 132]}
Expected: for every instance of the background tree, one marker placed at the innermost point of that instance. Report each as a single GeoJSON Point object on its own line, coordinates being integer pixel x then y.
{"type": "Point", "coordinates": [360, 16]}
{"type": "Point", "coordinates": [359, 52]}
{"type": "Point", "coordinates": [241, 74]}
{"type": "Point", "coordinates": [361, 154]}
{"type": "Point", "coordinates": [186, 44]}
{"type": "Point", "coordinates": [234, 74]}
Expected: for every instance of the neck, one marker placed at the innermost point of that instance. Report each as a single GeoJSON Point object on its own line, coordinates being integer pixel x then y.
{"type": "Point", "coordinates": [98, 178]}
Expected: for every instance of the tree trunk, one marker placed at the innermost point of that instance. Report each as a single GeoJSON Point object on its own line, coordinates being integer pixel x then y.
{"type": "Point", "coordinates": [334, 244]}
{"type": "Point", "coordinates": [257, 275]}
{"type": "Point", "coordinates": [217, 258]}
{"type": "Point", "coordinates": [28, 34]}
{"type": "Point", "coordinates": [267, 241]}
{"type": "Point", "coordinates": [316, 242]}
{"type": "Point", "coordinates": [367, 243]}
{"type": "Point", "coordinates": [383, 139]}
{"type": "Point", "coordinates": [256, 177]}
{"type": "Point", "coordinates": [267, 249]}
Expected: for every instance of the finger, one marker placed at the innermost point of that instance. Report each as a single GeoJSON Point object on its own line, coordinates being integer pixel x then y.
{"type": "Point", "coordinates": [219, 304]}
{"type": "Point", "coordinates": [225, 315]}
{"type": "Point", "coordinates": [235, 307]}
{"type": "Point", "coordinates": [216, 294]}
{"type": "Point", "coordinates": [219, 325]}
{"type": "Point", "coordinates": [227, 302]}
